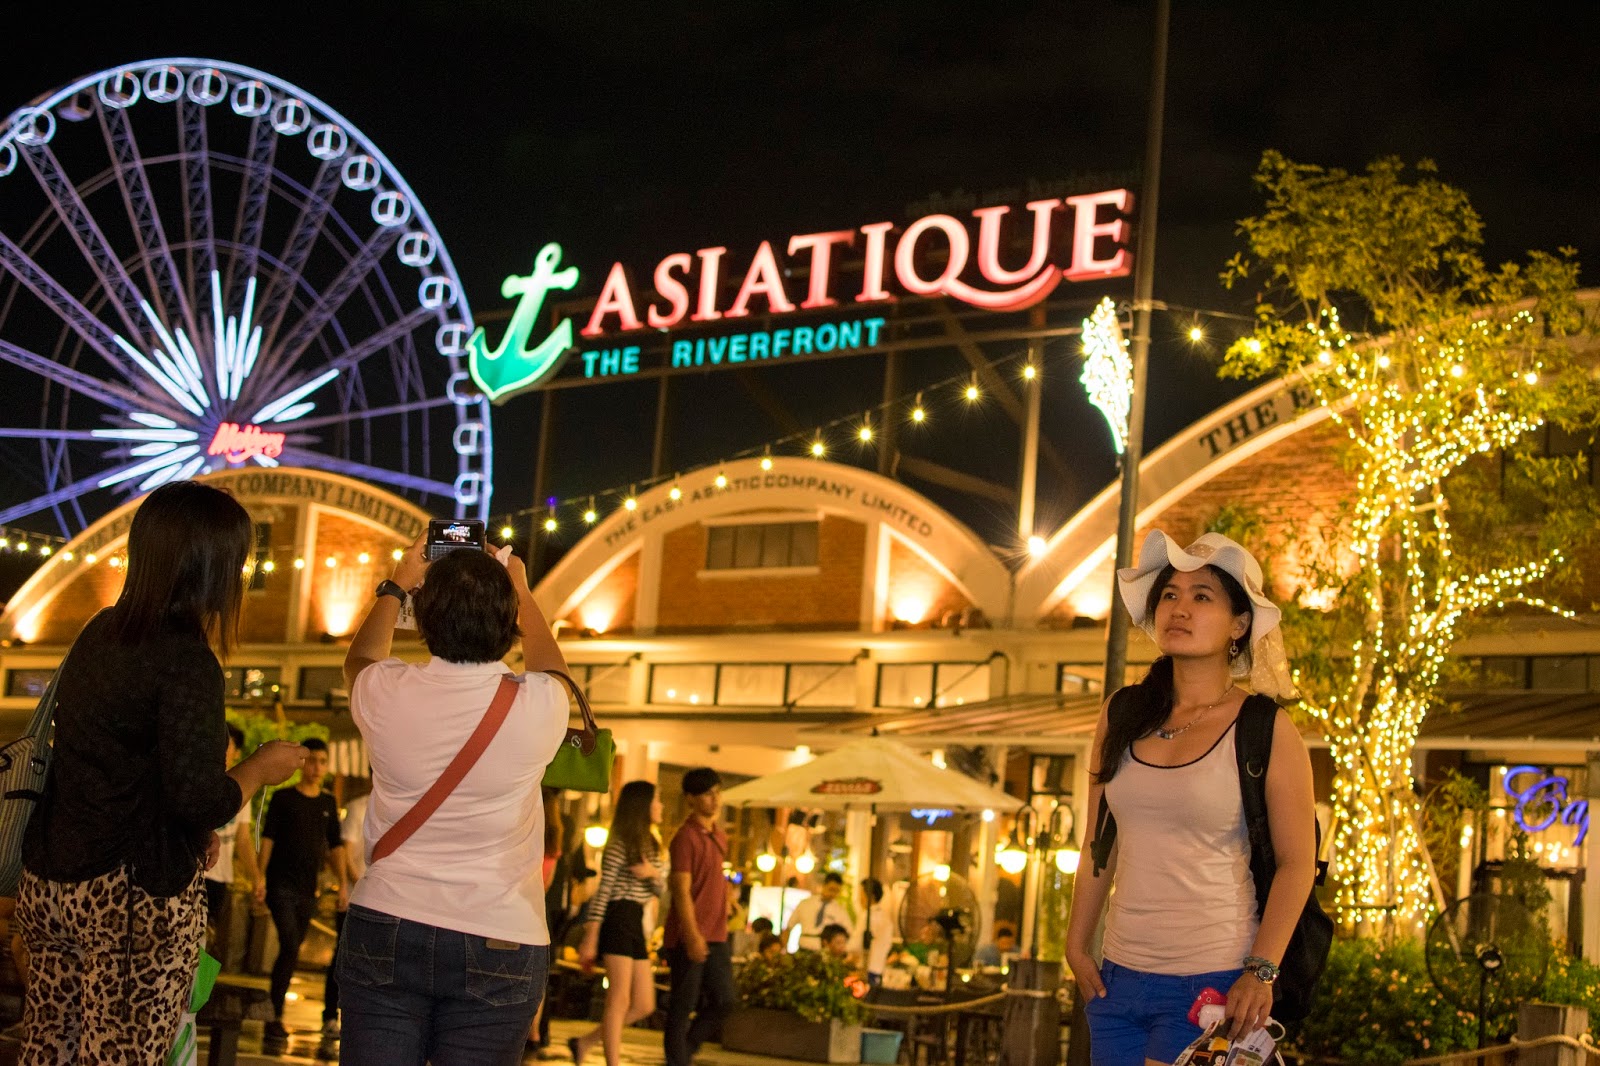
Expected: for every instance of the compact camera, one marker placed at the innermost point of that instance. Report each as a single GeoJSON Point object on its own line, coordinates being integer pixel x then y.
{"type": "Point", "coordinates": [449, 535]}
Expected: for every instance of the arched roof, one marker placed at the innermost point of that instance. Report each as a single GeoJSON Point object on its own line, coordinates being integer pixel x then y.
{"type": "Point", "coordinates": [792, 484]}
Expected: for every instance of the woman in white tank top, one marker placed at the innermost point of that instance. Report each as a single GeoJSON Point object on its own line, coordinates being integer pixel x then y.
{"type": "Point", "coordinates": [1182, 905]}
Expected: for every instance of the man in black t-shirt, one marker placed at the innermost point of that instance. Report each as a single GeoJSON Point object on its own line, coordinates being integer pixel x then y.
{"type": "Point", "coordinates": [299, 833]}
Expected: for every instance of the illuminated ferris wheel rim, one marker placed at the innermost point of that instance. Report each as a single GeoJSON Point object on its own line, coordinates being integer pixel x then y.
{"type": "Point", "coordinates": [50, 101]}
{"type": "Point", "coordinates": [257, 95]}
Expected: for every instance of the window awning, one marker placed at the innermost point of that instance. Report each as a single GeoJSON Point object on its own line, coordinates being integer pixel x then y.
{"type": "Point", "coordinates": [1038, 721]}
{"type": "Point", "coordinates": [1516, 719]}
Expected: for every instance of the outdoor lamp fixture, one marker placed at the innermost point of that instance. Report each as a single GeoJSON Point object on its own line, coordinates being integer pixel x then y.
{"type": "Point", "coordinates": [1013, 858]}
{"type": "Point", "coordinates": [1059, 836]}
{"type": "Point", "coordinates": [805, 862]}
{"type": "Point", "coordinates": [766, 862]}
{"type": "Point", "coordinates": [596, 836]}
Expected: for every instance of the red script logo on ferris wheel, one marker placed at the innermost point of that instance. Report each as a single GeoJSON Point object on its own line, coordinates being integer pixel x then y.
{"type": "Point", "coordinates": [847, 786]}
{"type": "Point", "coordinates": [239, 443]}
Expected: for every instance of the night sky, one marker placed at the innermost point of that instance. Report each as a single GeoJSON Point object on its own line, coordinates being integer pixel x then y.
{"type": "Point", "coordinates": [626, 131]}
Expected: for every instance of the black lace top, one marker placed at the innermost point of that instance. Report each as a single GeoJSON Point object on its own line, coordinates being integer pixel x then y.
{"type": "Point", "coordinates": [137, 775]}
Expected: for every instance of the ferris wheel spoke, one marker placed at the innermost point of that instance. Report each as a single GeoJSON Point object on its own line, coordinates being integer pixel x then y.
{"type": "Point", "coordinates": [91, 240]}
{"type": "Point", "coordinates": [364, 349]}
{"type": "Point", "coordinates": [85, 323]}
{"type": "Point", "coordinates": [251, 219]}
{"type": "Point", "coordinates": [201, 233]}
{"type": "Point", "coordinates": [108, 393]}
{"type": "Point", "coordinates": [366, 259]}
{"type": "Point", "coordinates": [53, 498]}
{"type": "Point", "coordinates": [165, 284]}
{"type": "Point", "coordinates": [349, 468]}
{"type": "Point", "coordinates": [411, 407]}
{"type": "Point", "coordinates": [318, 202]}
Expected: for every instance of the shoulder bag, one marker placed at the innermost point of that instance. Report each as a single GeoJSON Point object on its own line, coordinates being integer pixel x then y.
{"type": "Point", "coordinates": [583, 762]}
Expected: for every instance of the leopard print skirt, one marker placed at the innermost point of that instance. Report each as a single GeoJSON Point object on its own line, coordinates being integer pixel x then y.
{"type": "Point", "coordinates": [97, 996]}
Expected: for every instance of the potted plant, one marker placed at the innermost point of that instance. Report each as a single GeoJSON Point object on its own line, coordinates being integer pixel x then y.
{"type": "Point", "coordinates": [796, 1005]}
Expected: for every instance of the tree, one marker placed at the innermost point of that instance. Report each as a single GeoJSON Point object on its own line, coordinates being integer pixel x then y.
{"type": "Point", "coordinates": [1373, 290]}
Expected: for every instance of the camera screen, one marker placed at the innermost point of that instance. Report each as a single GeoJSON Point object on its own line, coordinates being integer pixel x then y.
{"type": "Point", "coordinates": [446, 536]}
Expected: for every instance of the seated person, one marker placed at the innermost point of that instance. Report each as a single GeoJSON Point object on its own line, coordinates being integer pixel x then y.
{"type": "Point", "coordinates": [771, 947]}
{"type": "Point", "coordinates": [761, 927]}
{"type": "Point", "coordinates": [994, 954]}
{"type": "Point", "coordinates": [835, 941]}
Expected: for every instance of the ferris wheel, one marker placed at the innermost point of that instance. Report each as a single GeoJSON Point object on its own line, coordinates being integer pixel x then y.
{"type": "Point", "coordinates": [203, 266]}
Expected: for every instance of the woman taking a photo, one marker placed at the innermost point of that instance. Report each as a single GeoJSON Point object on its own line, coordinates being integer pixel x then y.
{"type": "Point", "coordinates": [621, 916]}
{"type": "Point", "coordinates": [112, 903]}
{"type": "Point", "coordinates": [445, 948]}
{"type": "Point", "coordinates": [1183, 916]}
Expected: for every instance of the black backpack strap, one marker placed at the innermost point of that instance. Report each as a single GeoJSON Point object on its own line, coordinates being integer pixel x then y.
{"type": "Point", "coordinates": [1252, 745]}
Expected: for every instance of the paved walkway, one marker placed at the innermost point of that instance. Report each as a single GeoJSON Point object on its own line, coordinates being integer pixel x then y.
{"type": "Point", "coordinates": [303, 1017]}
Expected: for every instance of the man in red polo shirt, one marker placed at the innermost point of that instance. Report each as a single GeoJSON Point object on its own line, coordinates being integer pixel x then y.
{"type": "Point", "coordinates": [695, 940]}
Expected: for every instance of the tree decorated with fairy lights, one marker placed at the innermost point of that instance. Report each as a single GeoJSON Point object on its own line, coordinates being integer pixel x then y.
{"type": "Point", "coordinates": [1373, 291]}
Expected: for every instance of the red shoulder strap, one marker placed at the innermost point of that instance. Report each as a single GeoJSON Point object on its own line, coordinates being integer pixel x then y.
{"type": "Point", "coordinates": [469, 754]}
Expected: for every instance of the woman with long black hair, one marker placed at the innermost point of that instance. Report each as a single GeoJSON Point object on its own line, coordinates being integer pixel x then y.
{"type": "Point", "coordinates": [620, 913]}
{"type": "Point", "coordinates": [1183, 908]}
{"type": "Point", "coordinates": [112, 903]}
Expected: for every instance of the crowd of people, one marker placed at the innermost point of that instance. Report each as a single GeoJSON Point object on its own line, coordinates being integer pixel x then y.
{"type": "Point", "coordinates": [454, 888]}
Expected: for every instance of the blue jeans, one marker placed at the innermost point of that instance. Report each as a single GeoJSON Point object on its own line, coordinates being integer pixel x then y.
{"type": "Point", "coordinates": [702, 991]}
{"type": "Point", "coordinates": [413, 993]}
{"type": "Point", "coordinates": [1146, 1015]}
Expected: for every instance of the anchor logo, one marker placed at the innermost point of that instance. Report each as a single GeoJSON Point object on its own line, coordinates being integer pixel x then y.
{"type": "Point", "coordinates": [513, 366]}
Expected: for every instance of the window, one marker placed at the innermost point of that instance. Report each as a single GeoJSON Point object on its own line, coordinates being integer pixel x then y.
{"type": "Point", "coordinates": [27, 684]}
{"type": "Point", "coordinates": [1559, 673]}
{"type": "Point", "coordinates": [1079, 679]}
{"type": "Point", "coordinates": [822, 684]}
{"type": "Point", "coordinates": [252, 682]}
{"type": "Point", "coordinates": [1501, 672]}
{"type": "Point", "coordinates": [905, 684]}
{"type": "Point", "coordinates": [694, 684]}
{"type": "Point", "coordinates": [318, 682]}
{"type": "Point", "coordinates": [957, 684]}
{"type": "Point", "coordinates": [932, 684]}
{"type": "Point", "coordinates": [262, 534]}
{"type": "Point", "coordinates": [751, 684]}
{"type": "Point", "coordinates": [602, 682]}
{"type": "Point", "coordinates": [762, 546]}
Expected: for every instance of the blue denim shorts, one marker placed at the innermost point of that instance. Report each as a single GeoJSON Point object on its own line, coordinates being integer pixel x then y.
{"type": "Point", "coordinates": [1146, 1015]}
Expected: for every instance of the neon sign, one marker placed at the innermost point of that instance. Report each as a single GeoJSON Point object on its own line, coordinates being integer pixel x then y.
{"type": "Point", "coordinates": [238, 443]}
{"type": "Point", "coordinates": [688, 287]}
{"type": "Point", "coordinates": [931, 815]}
{"type": "Point", "coordinates": [1547, 798]}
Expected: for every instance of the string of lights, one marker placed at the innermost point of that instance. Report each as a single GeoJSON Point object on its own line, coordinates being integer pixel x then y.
{"type": "Point", "coordinates": [1420, 411]}
{"type": "Point", "coordinates": [916, 408]}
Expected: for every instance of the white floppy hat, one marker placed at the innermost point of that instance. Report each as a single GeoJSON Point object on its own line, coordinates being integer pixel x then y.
{"type": "Point", "coordinates": [1262, 659]}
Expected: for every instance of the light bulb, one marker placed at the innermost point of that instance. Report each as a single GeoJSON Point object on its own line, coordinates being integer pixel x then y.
{"type": "Point", "coordinates": [818, 449]}
{"type": "Point", "coordinates": [363, 558]}
{"type": "Point", "coordinates": [590, 516]}
{"type": "Point", "coordinates": [91, 558]}
{"type": "Point", "coordinates": [766, 462]}
{"type": "Point", "coordinates": [268, 567]}
{"type": "Point", "coordinates": [596, 836]}
{"type": "Point", "coordinates": [44, 550]}
{"type": "Point", "coordinates": [1036, 545]}
{"type": "Point", "coordinates": [299, 564]}
{"type": "Point", "coordinates": [1029, 372]}
{"type": "Point", "coordinates": [1067, 860]}
{"type": "Point", "coordinates": [1012, 860]}
{"type": "Point", "coordinates": [506, 532]}
{"type": "Point", "coordinates": [549, 525]}
{"type": "Point", "coordinates": [115, 562]}
{"type": "Point", "coordinates": [330, 562]}
{"type": "Point", "coordinates": [988, 814]}
{"type": "Point", "coordinates": [766, 862]}
{"type": "Point", "coordinates": [675, 493]}
{"type": "Point", "coordinates": [396, 555]}
{"type": "Point", "coordinates": [722, 481]}
{"type": "Point", "coordinates": [631, 504]}
{"type": "Point", "coordinates": [1196, 334]}
{"type": "Point", "coordinates": [972, 392]}
{"type": "Point", "coordinates": [22, 545]}
{"type": "Point", "coordinates": [941, 872]}
{"type": "Point", "coordinates": [865, 433]}
{"type": "Point", "coordinates": [68, 556]}
{"type": "Point", "coordinates": [805, 862]}
{"type": "Point", "coordinates": [918, 414]}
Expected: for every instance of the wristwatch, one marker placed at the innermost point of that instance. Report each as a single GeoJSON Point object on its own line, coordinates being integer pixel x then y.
{"type": "Point", "coordinates": [390, 588]}
{"type": "Point", "coordinates": [1261, 969]}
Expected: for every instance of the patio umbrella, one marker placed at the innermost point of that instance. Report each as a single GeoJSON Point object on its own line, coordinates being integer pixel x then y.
{"type": "Point", "coordinates": [875, 773]}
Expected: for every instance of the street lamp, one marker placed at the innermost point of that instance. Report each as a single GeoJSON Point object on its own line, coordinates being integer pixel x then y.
{"type": "Point", "coordinates": [766, 862]}
{"type": "Point", "coordinates": [596, 836]}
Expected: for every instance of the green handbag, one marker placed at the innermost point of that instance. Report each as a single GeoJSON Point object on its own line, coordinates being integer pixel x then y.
{"type": "Point", "coordinates": [583, 762]}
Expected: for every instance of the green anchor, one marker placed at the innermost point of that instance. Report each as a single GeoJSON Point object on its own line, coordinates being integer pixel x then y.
{"type": "Point", "coordinates": [497, 376]}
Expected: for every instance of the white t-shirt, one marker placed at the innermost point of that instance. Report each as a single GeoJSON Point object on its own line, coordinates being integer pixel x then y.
{"type": "Point", "coordinates": [353, 831]}
{"type": "Point", "coordinates": [222, 870]}
{"type": "Point", "coordinates": [474, 866]}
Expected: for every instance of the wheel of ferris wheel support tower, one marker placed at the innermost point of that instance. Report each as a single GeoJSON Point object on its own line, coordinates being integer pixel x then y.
{"type": "Point", "coordinates": [202, 265]}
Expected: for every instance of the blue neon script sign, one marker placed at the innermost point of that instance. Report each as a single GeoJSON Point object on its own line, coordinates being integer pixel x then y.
{"type": "Point", "coordinates": [1547, 795]}
{"type": "Point", "coordinates": [930, 814]}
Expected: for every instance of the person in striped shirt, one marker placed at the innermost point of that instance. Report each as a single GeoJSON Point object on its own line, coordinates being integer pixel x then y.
{"type": "Point", "coordinates": [617, 923]}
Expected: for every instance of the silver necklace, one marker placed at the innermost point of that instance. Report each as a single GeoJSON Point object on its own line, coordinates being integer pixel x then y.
{"type": "Point", "coordinates": [1174, 734]}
